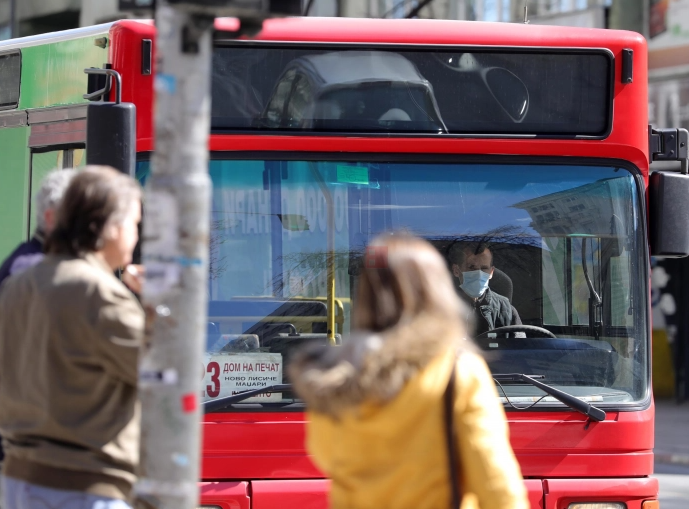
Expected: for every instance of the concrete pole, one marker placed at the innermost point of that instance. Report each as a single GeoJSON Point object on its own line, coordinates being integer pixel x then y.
{"type": "Point", "coordinates": [175, 254]}
{"type": "Point", "coordinates": [14, 31]}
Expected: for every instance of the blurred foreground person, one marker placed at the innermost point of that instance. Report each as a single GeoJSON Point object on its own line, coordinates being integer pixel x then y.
{"type": "Point", "coordinates": [46, 201]}
{"type": "Point", "coordinates": [31, 252]}
{"type": "Point", "coordinates": [405, 414]}
{"type": "Point", "coordinates": [70, 333]}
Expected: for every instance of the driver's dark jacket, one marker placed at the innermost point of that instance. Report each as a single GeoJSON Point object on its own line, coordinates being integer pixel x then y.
{"type": "Point", "coordinates": [491, 311]}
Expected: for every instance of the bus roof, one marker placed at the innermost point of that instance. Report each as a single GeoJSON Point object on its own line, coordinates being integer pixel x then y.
{"type": "Point", "coordinates": [426, 31]}
{"type": "Point", "coordinates": [53, 76]}
{"type": "Point", "coordinates": [53, 37]}
{"type": "Point", "coordinates": [391, 31]}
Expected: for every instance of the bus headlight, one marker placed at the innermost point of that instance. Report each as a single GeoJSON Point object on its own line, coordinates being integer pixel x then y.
{"type": "Point", "coordinates": [597, 505]}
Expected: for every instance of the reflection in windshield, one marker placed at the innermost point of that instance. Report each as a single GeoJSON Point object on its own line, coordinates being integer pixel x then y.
{"type": "Point", "coordinates": [563, 241]}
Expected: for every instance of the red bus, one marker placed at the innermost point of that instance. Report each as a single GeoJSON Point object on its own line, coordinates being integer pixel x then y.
{"type": "Point", "coordinates": [533, 139]}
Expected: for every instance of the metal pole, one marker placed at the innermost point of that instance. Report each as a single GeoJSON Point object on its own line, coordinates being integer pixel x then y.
{"type": "Point", "coordinates": [330, 251]}
{"type": "Point", "coordinates": [175, 254]}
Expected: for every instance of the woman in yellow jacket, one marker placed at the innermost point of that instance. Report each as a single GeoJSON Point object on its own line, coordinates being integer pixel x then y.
{"type": "Point", "coordinates": [377, 421]}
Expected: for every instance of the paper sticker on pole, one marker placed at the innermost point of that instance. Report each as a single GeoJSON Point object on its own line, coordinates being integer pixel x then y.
{"type": "Point", "coordinates": [163, 271]}
{"type": "Point", "coordinates": [166, 83]}
{"type": "Point", "coordinates": [229, 374]}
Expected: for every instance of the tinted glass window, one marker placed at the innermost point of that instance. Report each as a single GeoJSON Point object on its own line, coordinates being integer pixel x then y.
{"type": "Point", "coordinates": [43, 163]}
{"type": "Point", "coordinates": [276, 108]}
{"type": "Point", "coordinates": [299, 102]}
{"type": "Point", "coordinates": [10, 77]}
{"type": "Point", "coordinates": [456, 91]}
{"type": "Point", "coordinates": [566, 243]}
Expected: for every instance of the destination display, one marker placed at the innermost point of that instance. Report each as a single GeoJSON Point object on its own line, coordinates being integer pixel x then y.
{"type": "Point", "coordinates": [227, 374]}
{"type": "Point", "coordinates": [434, 91]}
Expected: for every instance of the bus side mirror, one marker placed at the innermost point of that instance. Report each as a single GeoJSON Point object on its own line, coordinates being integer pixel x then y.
{"type": "Point", "coordinates": [111, 135]}
{"type": "Point", "coordinates": [110, 127]}
{"type": "Point", "coordinates": [669, 214]}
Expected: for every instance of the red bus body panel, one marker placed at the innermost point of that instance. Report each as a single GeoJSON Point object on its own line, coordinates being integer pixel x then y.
{"type": "Point", "coordinates": [559, 493]}
{"type": "Point", "coordinates": [126, 57]}
{"type": "Point", "coordinates": [548, 444]}
{"type": "Point", "coordinates": [304, 494]}
{"type": "Point", "coordinates": [258, 459]}
{"type": "Point", "coordinates": [628, 139]}
{"type": "Point", "coordinates": [226, 495]}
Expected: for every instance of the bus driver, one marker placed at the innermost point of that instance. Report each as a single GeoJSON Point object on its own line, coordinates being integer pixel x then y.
{"type": "Point", "coordinates": [472, 269]}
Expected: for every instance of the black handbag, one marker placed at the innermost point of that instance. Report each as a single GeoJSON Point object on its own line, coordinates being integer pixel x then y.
{"type": "Point", "coordinates": [451, 439]}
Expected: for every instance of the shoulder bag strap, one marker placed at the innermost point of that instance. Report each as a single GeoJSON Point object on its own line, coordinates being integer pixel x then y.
{"type": "Point", "coordinates": [451, 438]}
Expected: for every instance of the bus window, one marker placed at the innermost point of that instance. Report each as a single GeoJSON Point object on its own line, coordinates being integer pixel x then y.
{"type": "Point", "coordinates": [44, 162]}
{"type": "Point", "coordinates": [299, 104]}
{"type": "Point", "coordinates": [277, 104]}
{"type": "Point", "coordinates": [585, 254]}
{"type": "Point", "coordinates": [269, 258]}
{"type": "Point", "coordinates": [566, 292]}
{"type": "Point", "coordinates": [10, 77]}
{"type": "Point", "coordinates": [78, 158]}
{"type": "Point", "coordinates": [621, 299]}
{"type": "Point", "coordinates": [555, 297]}
{"type": "Point", "coordinates": [446, 90]}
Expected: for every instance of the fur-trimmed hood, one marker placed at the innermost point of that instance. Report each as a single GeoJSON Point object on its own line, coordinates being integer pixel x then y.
{"type": "Point", "coordinates": [370, 367]}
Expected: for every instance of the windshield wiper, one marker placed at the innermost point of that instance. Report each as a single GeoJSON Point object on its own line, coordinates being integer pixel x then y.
{"type": "Point", "coordinates": [588, 410]}
{"type": "Point", "coordinates": [220, 403]}
{"type": "Point", "coordinates": [592, 412]}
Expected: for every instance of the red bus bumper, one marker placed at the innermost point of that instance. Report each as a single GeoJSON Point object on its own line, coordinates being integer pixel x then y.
{"type": "Point", "coordinates": [312, 493]}
{"type": "Point", "coordinates": [564, 458]}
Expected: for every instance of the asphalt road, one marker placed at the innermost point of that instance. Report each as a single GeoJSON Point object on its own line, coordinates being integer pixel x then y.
{"type": "Point", "coordinates": [674, 486]}
{"type": "Point", "coordinates": [672, 454]}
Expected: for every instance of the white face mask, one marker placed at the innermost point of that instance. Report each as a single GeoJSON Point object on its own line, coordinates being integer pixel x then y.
{"type": "Point", "coordinates": [475, 283]}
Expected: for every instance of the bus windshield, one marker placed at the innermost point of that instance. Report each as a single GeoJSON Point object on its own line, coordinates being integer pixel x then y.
{"type": "Point", "coordinates": [567, 246]}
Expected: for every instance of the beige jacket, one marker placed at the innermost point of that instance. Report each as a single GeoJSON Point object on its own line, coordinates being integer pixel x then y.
{"type": "Point", "coordinates": [70, 334]}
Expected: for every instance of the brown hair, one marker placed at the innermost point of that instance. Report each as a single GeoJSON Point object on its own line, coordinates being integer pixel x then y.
{"type": "Point", "coordinates": [97, 196]}
{"type": "Point", "coordinates": [477, 248]}
{"type": "Point", "coordinates": [456, 255]}
{"type": "Point", "coordinates": [457, 252]}
{"type": "Point", "coordinates": [406, 288]}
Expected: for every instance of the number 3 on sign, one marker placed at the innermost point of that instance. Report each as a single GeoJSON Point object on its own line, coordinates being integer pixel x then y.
{"type": "Point", "coordinates": [213, 368]}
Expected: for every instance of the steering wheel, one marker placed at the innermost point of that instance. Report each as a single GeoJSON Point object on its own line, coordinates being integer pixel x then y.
{"type": "Point", "coordinates": [519, 328]}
